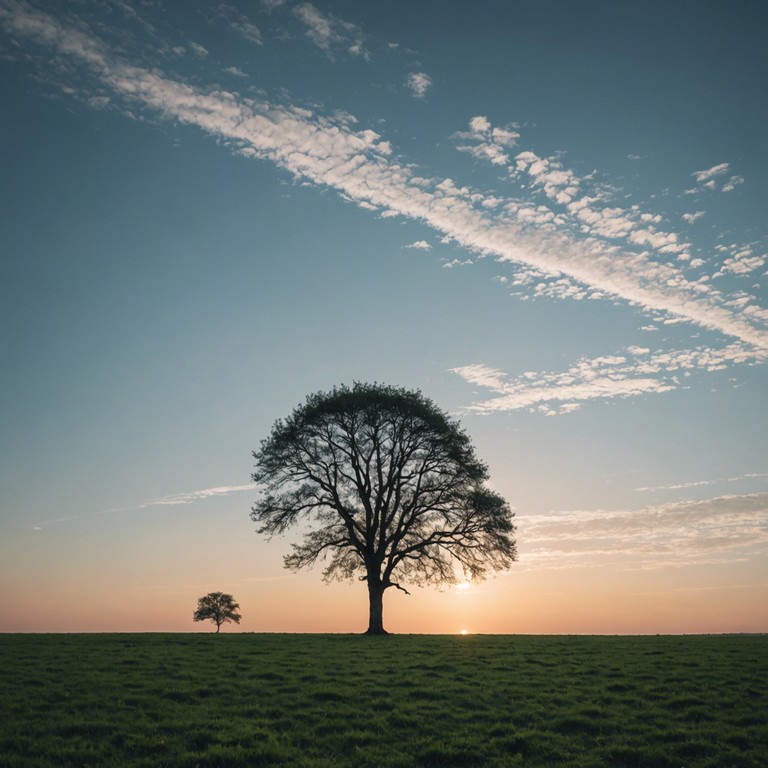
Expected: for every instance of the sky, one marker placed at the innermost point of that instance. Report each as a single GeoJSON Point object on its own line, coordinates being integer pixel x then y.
{"type": "Point", "coordinates": [547, 216]}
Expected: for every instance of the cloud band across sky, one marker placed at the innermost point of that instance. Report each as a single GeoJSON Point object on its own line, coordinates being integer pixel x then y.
{"type": "Point", "coordinates": [361, 165]}
{"type": "Point", "coordinates": [636, 371]}
{"type": "Point", "coordinates": [719, 530]}
{"type": "Point", "coordinates": [172, 500]}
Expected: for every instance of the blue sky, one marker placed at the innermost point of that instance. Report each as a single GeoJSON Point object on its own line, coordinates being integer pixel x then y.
{"type": "Point", "coordinates": [548, 216]}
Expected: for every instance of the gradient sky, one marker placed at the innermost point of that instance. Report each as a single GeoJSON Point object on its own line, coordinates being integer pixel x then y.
{"type": "Point", "coordinates": [548, 216]}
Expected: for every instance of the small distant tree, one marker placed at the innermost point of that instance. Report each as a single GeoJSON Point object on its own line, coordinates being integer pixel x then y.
{"type": "Point", "coordinates": [217, 607]}
{"type": "Point", "coordinates": [387, 487]}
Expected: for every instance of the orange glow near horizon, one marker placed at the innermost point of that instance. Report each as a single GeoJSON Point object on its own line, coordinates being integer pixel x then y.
{"type": "Point", "coordinates": [526, 603]}
{"type": "Point", "coordinates": [62, 579]}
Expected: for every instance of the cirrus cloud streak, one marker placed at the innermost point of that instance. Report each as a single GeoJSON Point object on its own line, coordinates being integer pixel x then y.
{"type": "Point", "coordinates": [360, 165]}
{"type": "Point", "coordinates": [634, 372]}
{"type": "Point", "coordinates": [723, 529]}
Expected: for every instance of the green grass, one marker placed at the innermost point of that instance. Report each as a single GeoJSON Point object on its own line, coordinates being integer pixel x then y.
{"type": "Point", "coordinates": [341, 700]}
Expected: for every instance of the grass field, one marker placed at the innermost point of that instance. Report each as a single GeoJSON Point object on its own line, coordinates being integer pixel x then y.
{"type": "Point", "coordinates": [342, 700]}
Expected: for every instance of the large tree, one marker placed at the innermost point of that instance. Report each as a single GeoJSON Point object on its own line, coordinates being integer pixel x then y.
{"type": "Point", "coordinates": [389, 487]}
{"type": "Point", "coordinates": [218, 607]}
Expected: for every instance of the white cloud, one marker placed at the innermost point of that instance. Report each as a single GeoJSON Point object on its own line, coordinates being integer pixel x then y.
{"type": "Point", "coordinates": [488, 143]}
{"type": "Point", "coordinates": [678, 486]}
{"type": "Point", "coordinates": [586, 213]}
{"type": "Point", "coordinates": [418, 82]}
{"type": "Point", "coordinates": [700, 483]}
{"type": "Point", "coordinates": [172, 500]}
{"type": "Point", "coordinates": [711, 177]}
{"type": "Point", "coordinates": [420, 245]}
{"type": "Point", "coordinates": [691, 217]}
{"type": "Point", "coordinates": [488, 151]}
{"type": "Point", "coordinates": [637, 371]}
{"type": "Point", "coordinates": [329, 33]}
{"type": "Point", "coordinates": [710, 173]}
{"type": "Point", "coordinates": [193, 496]}
{"type": "Point", "coordinates": [319, 28]}
{"type": "Point", "coordinates": [199, 50]}
{"type": "Point", "coordinates": [742, 266]}
{"type": "Point", "coordinates": [741, 260]}
{"type": "Point", "coordinates": [732, 183]}
{"type": "Point", "coordinates": [236, 71]}
{"type": "Point", "coordinates": [326, 151]}
{"type": "Point", "coordinates": [722, 530]}
{"type": "Point", "coordinates": [457, 263]}
{"type": "Point", "coordinates": [560, 393]}
{"type": "Point", "coordinates": [238, 22]}
{"type": "Point", "coordinates": [481, 128]}
{"type": "Point", "coordinates": [480, 125]}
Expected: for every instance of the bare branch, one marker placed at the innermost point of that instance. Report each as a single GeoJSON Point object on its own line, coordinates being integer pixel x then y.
{"type": "Point", "coordinates": [397, 586]}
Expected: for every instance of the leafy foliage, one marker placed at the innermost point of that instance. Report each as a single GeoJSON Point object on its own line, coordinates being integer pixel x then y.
{"type": "Point", "coordinates": [217, 607]}
{"type": "Point", "coordinates": [390, 484]}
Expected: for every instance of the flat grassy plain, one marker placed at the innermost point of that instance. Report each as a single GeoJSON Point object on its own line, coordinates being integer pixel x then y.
{"type": "Point", "coordinates": [405, 701]}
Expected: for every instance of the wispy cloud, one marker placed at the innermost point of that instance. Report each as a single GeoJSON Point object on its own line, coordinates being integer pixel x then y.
{"type": "Point", "coordinates": [689, 218]}
{"type": "Point", "coordinates": [710, 178]}
{"type": "Point", "coordinates": [588, 250]}
{"type": "Point", "coordinates": [486, 142]}
{"type": "Point", "coordinates": [236, 71]}
{"type": "Point", "coordinates": [238, 22]}
{"type": "Point", "coordinates": [457, 263]}
{"type": "Point", "coordinates": [172, 500]}
{"type": "Point", "coordinates": [329, 33]}
{"type": "Point", "coordinates": [579, 204]}
{"type": "Point", "coordinates": [701, 483]}
{"type": "Point", "coordinates": [193, 496]}
{"type": "Point", "coordinates": [418, 83]}
{"type": "Point", "coordinates": [732, 183]}
{"type": "Point", "coordinates": [420, 245]}
{"type": "Point", "coordinates": [678, 486]}
{"type": "Point", "coordinates": [716, 530]}
{"type": "Point", "coordinates": [199, 50]}
{"type": "Point", "coordinates": [740, 259]}
{"type": "Point", "coordinates": [592, 211]}
{"type": "Point", "coordinates": [636, 371]}
{"type": "Point", "coordinates": [582, 211]}
{"type": "Point", "coordinates": [710, 173]}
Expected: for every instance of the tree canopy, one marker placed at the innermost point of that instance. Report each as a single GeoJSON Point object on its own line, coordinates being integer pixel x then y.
{"type": "Point", "coordinates": [218, 607]}
{"type": "Point", "coordinates": [391, 489]}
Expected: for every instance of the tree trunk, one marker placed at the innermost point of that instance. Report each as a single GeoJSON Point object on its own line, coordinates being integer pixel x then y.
{"type": "Point", "coordinates": [376, 612]}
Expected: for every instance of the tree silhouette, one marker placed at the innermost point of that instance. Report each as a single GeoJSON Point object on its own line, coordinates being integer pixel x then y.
{"type": "Point", "coordinates": [391, 488]}
{"type": "Point", "coordinates": [217, 607]}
